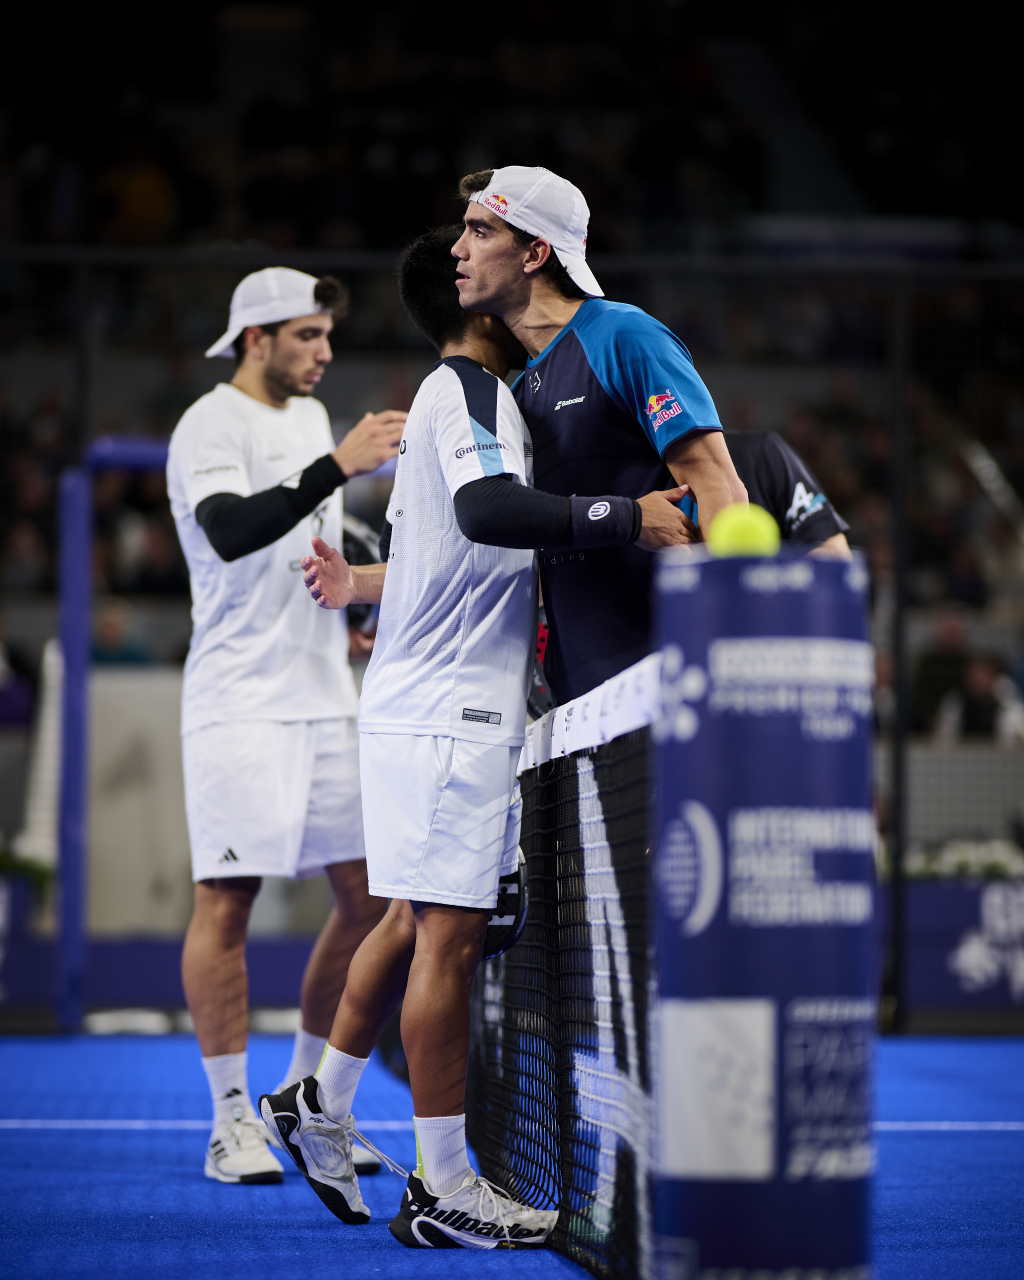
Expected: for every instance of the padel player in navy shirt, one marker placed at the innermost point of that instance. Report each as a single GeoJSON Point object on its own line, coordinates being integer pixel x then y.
{"type": "Point", "coordinates": [778, 479]}
{"type": "Point", "coordinates": [590, 403]}
{"type": "Point", "coordinates": [612, 401]}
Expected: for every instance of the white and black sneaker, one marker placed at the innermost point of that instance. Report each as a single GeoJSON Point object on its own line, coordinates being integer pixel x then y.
{"type": "Point", "coordinates": [478, 1215]}
{"type": "Point", "coordinates": [321, 1147]}
{"type": "Point", "coordinates": [238, 1151]}
{"type": "Point", "coordinates": [366, 1163]}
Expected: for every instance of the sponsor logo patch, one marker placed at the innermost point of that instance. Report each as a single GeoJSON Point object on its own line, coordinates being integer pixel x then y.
{"type": "Point", "coordinates": [562, 403]}
{"type": "Point", "coordinates": [662, 406]}
{"type": "Point", "coordinates": [481, 717]}
{"type": "Point", "coordinates": [496, 202]}
{"type": "Point", "coordinates": [599, 510]}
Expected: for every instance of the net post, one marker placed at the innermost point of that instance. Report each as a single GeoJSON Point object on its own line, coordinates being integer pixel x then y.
{"type": "Point", "coordinates": [75, 587]}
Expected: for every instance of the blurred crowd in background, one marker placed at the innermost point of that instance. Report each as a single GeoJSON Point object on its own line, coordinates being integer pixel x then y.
{"type": "Point", "coordinates": [327, 128]}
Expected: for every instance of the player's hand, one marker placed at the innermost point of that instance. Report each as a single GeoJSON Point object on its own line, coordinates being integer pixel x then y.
{"type": "Point", "coordinates": [360, 645]}
{"type": "Point", "coordinates": [328, 576]}
{"type": "Point", "coordinates": [373, 440]}
{"type": "Point", "coordinates": [664, 525]}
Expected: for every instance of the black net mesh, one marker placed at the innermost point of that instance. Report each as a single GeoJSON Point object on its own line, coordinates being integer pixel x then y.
{"type": "Point", "coordinates": [559, 1091]}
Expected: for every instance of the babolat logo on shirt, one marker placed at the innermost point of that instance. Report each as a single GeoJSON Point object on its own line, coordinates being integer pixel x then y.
{"type": "Point", "coordinates": [562, 403]}
{"type": "Point", "coordinates": [662, 406]}
{"type": "Point", "coordinates": [804, 504]}
{"type": "Point", "coordinates": [477, 448]}
{"type": "Point", "coordinates": [481, 717]}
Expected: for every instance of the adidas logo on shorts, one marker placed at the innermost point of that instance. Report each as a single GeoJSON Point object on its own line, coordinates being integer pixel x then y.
{"type": "Point", "coordinates": [229, 855]}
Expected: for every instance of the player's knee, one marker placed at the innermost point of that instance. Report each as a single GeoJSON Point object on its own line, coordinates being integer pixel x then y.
{"type": "Point", "coordinates": [224, 907]}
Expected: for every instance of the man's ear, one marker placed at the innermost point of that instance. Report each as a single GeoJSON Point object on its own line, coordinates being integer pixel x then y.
{"type": "Point", "coordinates": [252, 340]}
{"type": "Point", "coordinates": [536, 256]}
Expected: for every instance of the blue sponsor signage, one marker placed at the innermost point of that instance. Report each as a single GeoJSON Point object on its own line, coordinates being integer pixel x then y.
{"type": "Point", "coordinates": [765, 906]}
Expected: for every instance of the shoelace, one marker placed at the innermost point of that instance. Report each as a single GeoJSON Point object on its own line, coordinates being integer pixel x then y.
{"type": "Point", "coordinates": [484, 1186]}
{"type": "Point", "coordinates": [348, 1125]}
{"type": "Point", "coordinates": [251, 1127]}
{"type": "Point", "coordinates": [395, 1168]}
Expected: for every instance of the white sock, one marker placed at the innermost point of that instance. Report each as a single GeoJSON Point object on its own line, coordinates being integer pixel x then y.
{"type": "Point", "coordinates": [443, 1158]}
{"type": "Point", "coordinates": [229, 1084]}
{"type": "Point", "coordinates": [306, 1054]}
{"type": "Point", "coordinates": [338, 1078]}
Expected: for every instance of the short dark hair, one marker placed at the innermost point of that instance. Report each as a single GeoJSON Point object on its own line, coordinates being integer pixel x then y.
{"type": "Point", "coordinates": [553, 269]}
{"type": "Point", "coordinates": [330, 294]}
{"type": "Point", "coordinates": [426, 285]}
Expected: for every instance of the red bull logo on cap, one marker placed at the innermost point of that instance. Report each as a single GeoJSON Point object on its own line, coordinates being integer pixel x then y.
{"type": "Point", "coordinates": [496, 202]}
{"type": "Point", "coordinates": [662, 406]}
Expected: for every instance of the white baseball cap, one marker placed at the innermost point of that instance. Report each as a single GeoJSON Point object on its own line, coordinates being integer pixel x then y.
{"type": "Point", "coordinates": [542, 204]}
{"type": "Point", "coordinates": [265, 297]}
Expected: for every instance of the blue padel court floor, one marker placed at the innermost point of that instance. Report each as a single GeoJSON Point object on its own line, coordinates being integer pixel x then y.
{"type": "Point", "coordinates": [101, 1170]}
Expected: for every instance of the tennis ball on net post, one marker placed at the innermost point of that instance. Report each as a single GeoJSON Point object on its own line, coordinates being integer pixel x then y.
{"type": "Point", "coordinates": [742, 530]}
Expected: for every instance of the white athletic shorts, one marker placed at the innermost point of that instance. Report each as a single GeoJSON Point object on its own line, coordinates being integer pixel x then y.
{"type": "Point", "coordinates": [441, 817]}
{"type": "Point", "coordinates": [273, 798]}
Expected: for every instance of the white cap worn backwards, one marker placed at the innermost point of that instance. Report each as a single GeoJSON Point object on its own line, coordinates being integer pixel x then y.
{"type": "Point", "coordinates": [265, 297]}
{"type": "Point", "coordinates": [542, 204]}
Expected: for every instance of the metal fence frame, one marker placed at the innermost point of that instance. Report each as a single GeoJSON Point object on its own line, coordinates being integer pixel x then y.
{"type": "Point", "coordinates": [898, 280]}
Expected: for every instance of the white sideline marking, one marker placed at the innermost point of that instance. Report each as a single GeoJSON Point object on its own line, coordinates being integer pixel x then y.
{"type": "Point", "coordinates": [882, 1126]}
{"type": "Point", "coordinates": [950, 1126]}
{"type": "Point", "coordinates": [162, 1124]}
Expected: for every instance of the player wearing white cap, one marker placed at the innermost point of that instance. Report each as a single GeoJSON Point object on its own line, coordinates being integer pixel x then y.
{"type": "Point", "coordinates": [441, 723]}
{"type": "Point", "coordinates": [611, 397]}
{"type": "Point", "coordinates": [269, 736]}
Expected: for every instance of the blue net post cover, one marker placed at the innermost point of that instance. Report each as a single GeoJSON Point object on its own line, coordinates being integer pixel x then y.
{"type": "Point", "coordinates": [764, 906]}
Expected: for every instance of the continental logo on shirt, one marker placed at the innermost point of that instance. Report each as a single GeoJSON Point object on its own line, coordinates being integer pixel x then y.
{"type": "Point", "coordinates": [662, 406]}
{"type": "Point", "coordinates": [478, 448]}
{"type": "Point", "coordinates": [481, 717]}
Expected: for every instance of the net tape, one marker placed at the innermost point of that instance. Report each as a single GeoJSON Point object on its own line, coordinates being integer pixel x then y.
{"type": "Point", "coordinates": [559, 1102]}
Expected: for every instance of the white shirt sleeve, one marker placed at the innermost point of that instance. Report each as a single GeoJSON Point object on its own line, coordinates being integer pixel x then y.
{"type": "Point", "coordinates": [472, 445]}
{"type": "Point", "coordinates": [211, 456]}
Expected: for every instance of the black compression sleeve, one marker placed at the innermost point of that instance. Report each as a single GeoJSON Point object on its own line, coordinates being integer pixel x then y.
{"type": "Point", "coordinates": [238, 526]}
{"type": "Point", "coordinates": [501, 513]}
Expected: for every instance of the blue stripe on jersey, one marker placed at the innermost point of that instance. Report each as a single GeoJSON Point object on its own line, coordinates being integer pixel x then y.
{"type": "Point", "coordinates": [488, 452]}
{"type": "Point", "coordinates": [480, 389]}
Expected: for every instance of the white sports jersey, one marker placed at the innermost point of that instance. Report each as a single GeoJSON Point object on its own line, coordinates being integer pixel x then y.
{"type": "Point", "coordinates": [455, 638]}
{"type": "Point", "coordinates": [261, 650]}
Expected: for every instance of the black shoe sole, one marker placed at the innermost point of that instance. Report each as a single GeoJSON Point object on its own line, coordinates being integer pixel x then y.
{"type": "Point", "coordinates": [402, 1232]}
{"type": "Point", "coordinates": [260, 1179]}
{"type": "Point", "coordinates": [337, 1203]}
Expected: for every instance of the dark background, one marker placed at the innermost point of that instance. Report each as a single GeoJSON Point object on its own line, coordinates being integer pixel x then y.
{"type": "Point", "coordinates": [347, 126]}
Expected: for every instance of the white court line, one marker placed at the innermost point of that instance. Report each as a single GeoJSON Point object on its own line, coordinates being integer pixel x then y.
{"type": "Point", "coordinates": [131, 1125]}
{"type": "Point", "coordinates": [950, 1126]}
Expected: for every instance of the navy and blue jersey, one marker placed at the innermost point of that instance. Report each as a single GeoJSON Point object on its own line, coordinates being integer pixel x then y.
{"type": "Point", "coordinates": [778, 479]}
{"type": "Point", "coordinates": [603, 401]}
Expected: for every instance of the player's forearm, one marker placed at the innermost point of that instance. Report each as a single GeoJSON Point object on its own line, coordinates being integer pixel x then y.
{"type": "Point", "coordinates": [497, 512]}
{"type": "Point", "coordinates": [237, 526]}
{"type": "Point", "coordinates": [702, 461]}
{"type": "Point", "coordinates": [369, 580]}
{"type": "Point", "coordinates": [834, 548]}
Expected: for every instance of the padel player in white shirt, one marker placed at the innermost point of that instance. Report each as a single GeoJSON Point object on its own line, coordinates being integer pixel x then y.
{"type": "Point", "coordinates": [269, 735]}
{"type": "Point", "coordinates": [442, 720]}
